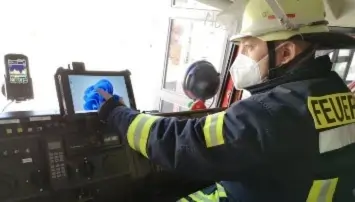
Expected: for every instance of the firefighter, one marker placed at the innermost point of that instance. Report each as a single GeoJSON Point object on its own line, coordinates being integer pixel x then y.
{"type": "Point", "coordinates": [274, 145]}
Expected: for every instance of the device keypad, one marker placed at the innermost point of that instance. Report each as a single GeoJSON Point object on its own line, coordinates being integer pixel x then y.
{"type": "Point", "coordinates": [57, 165]}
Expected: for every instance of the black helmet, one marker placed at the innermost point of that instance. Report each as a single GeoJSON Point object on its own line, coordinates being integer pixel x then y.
{"type": "Point", "coordinates": [201, 81]}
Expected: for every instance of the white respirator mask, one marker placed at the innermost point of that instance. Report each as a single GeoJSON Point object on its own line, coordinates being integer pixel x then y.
{"type": "Point", "coordinates": [245, 72]}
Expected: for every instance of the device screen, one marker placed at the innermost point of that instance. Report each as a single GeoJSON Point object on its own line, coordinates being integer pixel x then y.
{"type": "Point", "coordinates": [54, 145]}
{"type": "Point", "coordinates": [18, 71]}
{"type": "Point", "coordinates": [85, 97]}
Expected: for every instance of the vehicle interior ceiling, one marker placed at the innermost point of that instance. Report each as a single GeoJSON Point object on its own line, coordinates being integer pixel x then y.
{"type": "Point", "coordinates": [161, 185]}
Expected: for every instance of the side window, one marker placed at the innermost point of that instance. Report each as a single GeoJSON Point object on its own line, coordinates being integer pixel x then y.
{"type": "Point", "coordinates": [193, 35]}
{"type": "Point", "coordinates": [325, 52]}
{"type": "Point", "coordinates": [343, 64]}
{"type": "Point", "coordinates": [344, 53]}
{"type": "Point", "coordinates": [351, 73]}
{"type": "Point", "coordinates": [340, 68]}
{"type": "Point", "coordinates": [166, 106]}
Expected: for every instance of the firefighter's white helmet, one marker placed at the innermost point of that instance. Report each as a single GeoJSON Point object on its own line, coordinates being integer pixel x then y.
{"type": "Point", "coordinates": [272, 20]}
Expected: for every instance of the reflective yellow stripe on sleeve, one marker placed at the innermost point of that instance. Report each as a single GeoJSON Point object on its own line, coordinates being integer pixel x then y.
{"type": "Point", "coordinates": [138, 132]}
{"type": "Point", "coordinates": [213, 129]}
{"type": "Point", "coordinates": [183, 200]}
{"type": "Point", "coordinates": [221, 192]}
{"type": "Point", "coordinates": [199, 196]}
{"type": "Point", "coordinates": [322, 190]}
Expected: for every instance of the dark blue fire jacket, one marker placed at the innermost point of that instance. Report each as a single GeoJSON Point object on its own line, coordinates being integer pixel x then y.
{"type": "Point", "coordinates": [264, 148]}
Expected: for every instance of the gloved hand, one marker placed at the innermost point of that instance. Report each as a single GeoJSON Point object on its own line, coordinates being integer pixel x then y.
{"type": "Point", "coordinates": [111, 102]}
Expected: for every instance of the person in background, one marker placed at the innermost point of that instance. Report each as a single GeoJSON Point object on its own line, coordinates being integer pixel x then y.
{"type": "Point", "coordinates": [288, 141]}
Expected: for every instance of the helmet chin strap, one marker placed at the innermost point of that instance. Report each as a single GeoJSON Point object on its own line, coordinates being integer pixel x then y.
{"type": "Point", "coordinates": [271, 46]}
{"type": "Point", "coordinates": [277, 71]}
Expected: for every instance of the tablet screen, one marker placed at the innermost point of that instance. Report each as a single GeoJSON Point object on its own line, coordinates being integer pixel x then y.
{"type": "Point", "coordinates": [84, 94]}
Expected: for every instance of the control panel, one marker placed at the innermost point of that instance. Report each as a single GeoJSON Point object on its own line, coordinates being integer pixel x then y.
{"type": "Point", "coordinates": [47, 158]}
{"type": "Point", "coordinates": [44, 155]}
{"type": "Point", "coordinates": [21, 167]}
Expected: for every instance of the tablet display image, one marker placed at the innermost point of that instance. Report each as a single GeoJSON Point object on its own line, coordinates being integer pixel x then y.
{"type": "Point", "coordinates": [87, 99]}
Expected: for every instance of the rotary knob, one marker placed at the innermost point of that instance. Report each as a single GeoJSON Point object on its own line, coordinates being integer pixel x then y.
{"type": "Point", "coordinates": [38, 179]}
{"type": "Point", "coordinates": [87, 169]}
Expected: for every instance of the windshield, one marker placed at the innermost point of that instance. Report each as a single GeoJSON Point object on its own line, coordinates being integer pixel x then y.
{"type": "Point", "coordinates": [107, 36]}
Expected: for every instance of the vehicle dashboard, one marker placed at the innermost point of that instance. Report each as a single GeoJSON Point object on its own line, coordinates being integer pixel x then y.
{"type": "Point", "coordinates": [48, 158]}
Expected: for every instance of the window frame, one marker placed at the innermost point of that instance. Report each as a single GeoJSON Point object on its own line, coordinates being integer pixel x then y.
{"type": "Point", "coordinates": [199, 15]}
{"type": "Point", "coordinates": [343, 59]}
